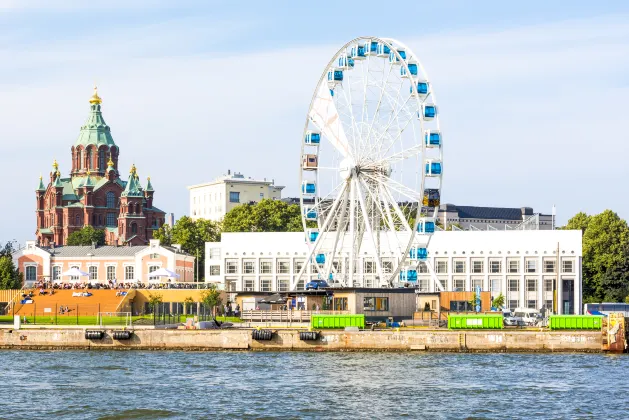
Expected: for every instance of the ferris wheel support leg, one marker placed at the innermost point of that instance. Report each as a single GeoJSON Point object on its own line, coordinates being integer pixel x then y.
{"type": "Point", "coordinates": [340, 227]}
{"type": "Point", "coordinates": [363, 208]}
{"type": "Point", "coordinates": [318, 241]}
{"type": "Point", "coordinates": [352, 223]}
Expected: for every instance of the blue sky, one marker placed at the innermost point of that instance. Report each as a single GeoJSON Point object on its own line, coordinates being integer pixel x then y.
{"type": "Point", "coordinates": [532, 94]}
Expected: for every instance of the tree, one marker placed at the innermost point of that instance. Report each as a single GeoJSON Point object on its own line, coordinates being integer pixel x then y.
{"type": "Point", "coordinates": [86, 236]}
{"type": "Point", "coordinates": [187, 303]}
{"type": "Point", "coordinates": [211, 297]}
{"type": "Point", "coordinates": [192, 236]}
{"type": "Point", "coordinates": [498, 302]}
{"type": "Point", "coordinates": [154, 300]}
{"type": "Point", "coordinates": [615, 281]}
{"type": "Point", "coordinates": [579, 221]}
{"type": "Point", "coordinates": [10, 277]}
{"type": "Point", "coordinates": [266, 216]}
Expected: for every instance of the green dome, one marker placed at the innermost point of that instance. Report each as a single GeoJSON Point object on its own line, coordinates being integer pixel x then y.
{"type": "Point", "coordinates": [95, 130]}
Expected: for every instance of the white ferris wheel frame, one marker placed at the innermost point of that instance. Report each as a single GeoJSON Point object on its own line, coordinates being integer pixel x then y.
{"type": "Point", "coordinates": [348, 188]}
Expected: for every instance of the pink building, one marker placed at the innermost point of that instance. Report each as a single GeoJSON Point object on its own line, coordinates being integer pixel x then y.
{"type": "Point", "coordinates": [103, 263]}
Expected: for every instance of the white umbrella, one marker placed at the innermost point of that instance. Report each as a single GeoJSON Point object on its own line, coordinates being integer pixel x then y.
{"type": "Point", "coordinates": [75, 272]}
{"type": "Point", "coordinates": [163, 272]}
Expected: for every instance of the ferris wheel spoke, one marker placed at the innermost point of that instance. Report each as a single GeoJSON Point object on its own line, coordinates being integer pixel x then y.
{"type": "Point", "coordinates": [363, 207]}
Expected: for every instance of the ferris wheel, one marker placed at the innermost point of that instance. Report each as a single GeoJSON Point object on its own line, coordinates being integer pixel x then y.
{"type": "Point", "coordinates": [371, 167]}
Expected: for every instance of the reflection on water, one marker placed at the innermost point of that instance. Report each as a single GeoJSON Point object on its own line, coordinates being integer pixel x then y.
{"type": "Point", "coordinates": [151, 385]}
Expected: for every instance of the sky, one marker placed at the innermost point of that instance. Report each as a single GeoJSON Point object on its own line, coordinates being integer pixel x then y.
{"type": "Point", "coordinates": [532, 95]}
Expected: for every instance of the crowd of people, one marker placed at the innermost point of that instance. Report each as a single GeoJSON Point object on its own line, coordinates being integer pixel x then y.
{"type": "Point", "coordinates": [47, 287]}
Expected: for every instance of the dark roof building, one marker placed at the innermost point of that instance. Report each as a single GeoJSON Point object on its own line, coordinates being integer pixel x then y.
{"type": "Point", "coordinates": [483, 218]}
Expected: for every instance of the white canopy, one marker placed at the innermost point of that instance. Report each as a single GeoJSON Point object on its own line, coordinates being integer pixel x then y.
{"type": "Point", "coordinates": [163, 272]}
{"type": "Point", "coordinates": [75, 272]}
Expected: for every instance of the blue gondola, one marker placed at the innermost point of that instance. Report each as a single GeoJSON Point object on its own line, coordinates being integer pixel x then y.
{"type": "Point", "coordinates": [313, 235]}
{"type": "Point", "coordinates": [371, 48]}
{"type": "Point", "coordinates": [393, 58]}
{"type": "Point", "coordinates": [331, 277]}
{"type": "Point", "coordinates": [421, 89]}
{"type": "Point", "coordinates": [357, 52]}
{"type": "Point", "coordinates": [432, 138]}
{"type": "Point", "coordinates": [382, 50]}
{"type": "Point", "coordinates": [310, 213]}
{"type": "Point", "coordinates": [313, 138]}
{"type": "Point", "coordinates": [332, 92]}
{"type": "Point", "coordinates": [408, 275]}
{"type": "Point", "coordinates": [320, 258]}
{"type": "Point", "coordinates": [433, 167]}
{"type": "Point", "coordinates": [429, 111]}
{"type": "Point", "coordinates": [425, 225]}
{"type": "Point", "coordinates": [308, 187]}
{"type": "Point", "coordinates": [418, 253]}
{"type": "Point", "coordinates": [335, 76]}
{"type": "Point", "coordinates": [412, 69]}
{"type": "Point", "coordinates": [345, 62]}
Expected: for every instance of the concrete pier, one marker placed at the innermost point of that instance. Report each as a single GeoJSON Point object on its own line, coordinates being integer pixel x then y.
{"type": "Point", "coordinates": [288, 339]}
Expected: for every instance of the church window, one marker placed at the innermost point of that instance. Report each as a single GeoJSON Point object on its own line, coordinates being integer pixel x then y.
{"type": "Point", "coordinates": [77, 220]}
{"type": "Point", "coordinates": [111, 199]}
{"type": "Point", "coordinates": [31, 273]}
{"type": "Point", "coordinates": [100, 220]}
{"type": "Point", "coordinates": [111, 219]}
{"type": "Point", "coordinates": [93, 220]}
{"type": "Point", "coordinates": [134, 228]}
{"type": "Point", "coordinates": [101, 160]}
{"type": "Point", "coordinates": [89, 158]}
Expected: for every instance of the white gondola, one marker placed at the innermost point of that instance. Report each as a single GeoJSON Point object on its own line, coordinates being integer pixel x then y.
{"type": "Point", "coordinates": [421, 89]}
{"type": "Point", "coordinates": [412, 69]}
{"type": "Point", "coordinates": [308, 188]}
{"type": "Point", "coordinates": [432, 138]}
{"type": "Point", "coordinates": [335, 76]}
{"type": "Point", "coordinates": [426, 225]}
{"type": "Point", "coordinates": [313, 138]}
{"type": "Point", "coordinates": [429, 111]}
{"type": "Point", "coordinates": [393, 58]}
{"type": "Point", "coordinates": [345, 63]}
{"type": "Point", "coordinates": [382, 50]}
{"type": "Point", "coordinates": [371, 48]}
{"type": "Point", "coordinates": [310, 213]}
{"type": "Point", "coordinates": [310, 162]}
{"type": "Point", "coordinates": [357, 52]}
{"type": "Point", "coordinates": [418, 253]}
{"type": "Point", "coordinates": [433, 167]}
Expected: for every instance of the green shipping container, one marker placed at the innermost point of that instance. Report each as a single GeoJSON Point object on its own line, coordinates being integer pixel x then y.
{"type": "Point", "coordinates": [475, 322]}
{"type": "Point", "coordinates": [337, 321]}
{"type": "Point", "coordinates": [576, 322]}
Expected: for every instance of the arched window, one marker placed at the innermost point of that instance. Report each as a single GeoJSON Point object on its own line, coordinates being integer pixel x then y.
{"type": "Point", "coordinates": [101, 159]}
{"type": "Point", "coordinates": [134, 228]}
{"type": "Point", "coordinates": [74, 277]}
{"type": "Point", "coordinates": [78, 220]}
{"type": "Point", "coordinates": [111, 272]}
{"type": "Point", "coordinates": [111, 199]}
{"type": "Point", "coordinates": [129, 272]}
{"type": "Point", "coordinates": [93, 220]}
{"type": "Point", "coordinates": [89, 157]}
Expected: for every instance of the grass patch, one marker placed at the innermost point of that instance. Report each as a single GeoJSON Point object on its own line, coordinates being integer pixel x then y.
{"type": "Point", "coordinates": [93, 319]}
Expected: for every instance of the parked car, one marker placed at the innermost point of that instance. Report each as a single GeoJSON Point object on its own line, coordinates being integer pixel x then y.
{"type": "Point", "coordinates": [316, 284]}
{"type": "Point", "coordinates": [509, 319]}
{"type": "Point", "coordinates": [528, 316]}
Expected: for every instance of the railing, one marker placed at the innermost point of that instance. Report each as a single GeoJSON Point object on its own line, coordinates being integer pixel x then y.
{"type": "Point", "coordinates": [15, 296]}
{"type": "Point", "coordinates": [284, 316]}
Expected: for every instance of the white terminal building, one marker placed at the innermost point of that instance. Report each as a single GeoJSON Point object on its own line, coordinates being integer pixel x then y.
{"type": "Point", "coordinates": [212, 200]}
{"type": "Point", "coordinates": [526, 266]}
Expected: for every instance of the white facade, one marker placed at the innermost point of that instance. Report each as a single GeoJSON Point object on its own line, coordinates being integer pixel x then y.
{"type": "Point", "coordinates": [213, 200]}
{"type": "Point", "coordinates": [522, 265]}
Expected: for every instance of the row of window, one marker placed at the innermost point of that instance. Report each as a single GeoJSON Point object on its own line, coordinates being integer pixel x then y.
{"type": "Point", "coordinates": [513, 266]}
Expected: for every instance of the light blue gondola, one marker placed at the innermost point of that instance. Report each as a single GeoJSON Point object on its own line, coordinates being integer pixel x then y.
{"type": "Point", "coordinates": [313, 138]}
{"type": "Point", "coordinates": [320, 258]}
{"type": "Point", "coordinates": [331, 277]}
{"type": "Point", "coordinates": [308, 187]}
{"type": "Point", "coordinates": [393, 58]}
{"type": "Point", "coordinates": [371, 48]}
{"type": "Point", "coordinates": [425, 225]}
{"type": "Point", "coordinates": [335, 76]}
{"type": "Point", "coordinates": [421, 89]}
{"type": "Point", "coordinates": [408, 275]}
{"type": "Point", "coordinates": [382, 50]}
{"type": "Point", "coordinates": [412, 69]}
{"type": "Point", "coordinates": [332, 93]}
{"type": "Point", "coordinates": [313, 235]}
{"type": "Point", "coordinates": [433, 167]}
{"type": "Point", "coordinates": [429, 111]}
{"type": "Point", "coordinates": [432, 138]}
{"type": "Point", "coordinates": [357, 52]}
{"type": "Point", "coordinates": [310, 213]}
{"type": "Point", "coordinates": [345, 62]}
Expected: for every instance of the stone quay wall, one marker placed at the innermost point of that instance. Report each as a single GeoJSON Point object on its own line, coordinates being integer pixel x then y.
{"type": "Point", "coordinates": [284, 339]}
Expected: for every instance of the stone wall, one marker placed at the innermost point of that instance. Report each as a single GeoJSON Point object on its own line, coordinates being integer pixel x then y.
{"type": "Point", "coordinates": [240, 339]}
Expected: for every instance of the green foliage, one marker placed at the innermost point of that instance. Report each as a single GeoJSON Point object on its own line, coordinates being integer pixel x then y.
{"type": "Point", "coordinates": [86, 235]}
{"type": "Point", "coordinates": [187, 303]}
{"type": "Point", "coordinates": [449, 228]}
{"type": "Point", "coordinates": [10, 277]}
{"type": "Point", "coordinates": [211, 297]}
{"type": "Point", "coordinates": [498, 302]}
{"type": "Point", "coordinates": [615, 281]}
{"type": "Point", "coordinates": [579, 221]}
{"type": "Point", "coordinates": [154, 300]}
{"type": "Point", "coordinates": [191, 235]}
{"type": "Point", "coordinates": [266, 216]}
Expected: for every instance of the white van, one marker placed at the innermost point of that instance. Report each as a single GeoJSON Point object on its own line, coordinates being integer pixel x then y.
{"type": "Point", "coordinates": [527, 315]}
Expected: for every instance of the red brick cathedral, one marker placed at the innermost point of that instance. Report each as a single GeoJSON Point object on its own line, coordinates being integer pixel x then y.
{"type": "Point", "coordinates": [94, 194]}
